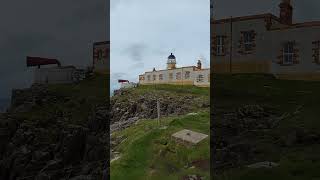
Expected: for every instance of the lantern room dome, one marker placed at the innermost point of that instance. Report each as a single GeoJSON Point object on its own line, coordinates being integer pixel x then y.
{"type": "Point", "coordinates": [171, 56]}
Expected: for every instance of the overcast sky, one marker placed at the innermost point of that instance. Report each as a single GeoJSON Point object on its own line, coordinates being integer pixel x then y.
{"type": "Point", "coordinates": [304, 10]}
{"type": "Point", "coordinates": [145, 32]}
{"type": "Point", "coordinates": [63, 29]}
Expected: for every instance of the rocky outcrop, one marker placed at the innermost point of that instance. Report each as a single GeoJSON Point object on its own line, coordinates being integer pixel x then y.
{"type": "Point", "coordinates": [40, 139]}
{"type": "Point", "coordinates": [248, 135]}
{"type": "Point", "coordinates": [235, 134]}
{"type": "Point", "coordinates": [52, 146]}
{"type": "Point", "coordinates": [23, 100]}
{"type": "Point", "coordinates": [127, 107]}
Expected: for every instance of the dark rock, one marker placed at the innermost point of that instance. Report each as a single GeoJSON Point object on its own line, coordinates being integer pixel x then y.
{"type": "Point", "coordinates": [53, 165]}
{"type": "Point", "coordinates": [74, 146]}
{"type": "Point", "coordinates": [238, 131]}
{"type": "Point", "coordinates": [94, 149]}
{"type": "Point", "coordinates": [42, 176]}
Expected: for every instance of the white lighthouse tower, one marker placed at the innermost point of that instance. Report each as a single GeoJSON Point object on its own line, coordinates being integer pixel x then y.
{"type": "Point", "coordinates": [171, 63]}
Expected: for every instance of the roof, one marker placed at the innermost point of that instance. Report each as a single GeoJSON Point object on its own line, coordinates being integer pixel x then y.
{"type": "Point", "coordinates": [245, 18]}
{"type": "Point", "coordinates": [38, 61]}
{"type": "Point", "coordinates": [101, 43]}
{"type": "Point", "coordinates": [263, 16]}
{"type": "Point", "coordinates": [299, 25]}
{"type": "Point", "coordinates": [122, 81]}
{"type": "Point", "coordinates": [171, 56]}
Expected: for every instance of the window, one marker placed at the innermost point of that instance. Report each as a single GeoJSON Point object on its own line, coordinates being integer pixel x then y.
{"type": "Point", "coordinates": [141, 78]}
{"type": "Point", "coordinates": [288, 53]}
{"type": "Point", "coordinates": [248, 38]}
{"type": "Point", "coordinates": [178, 76]}
{"type": "Point", "coordinates": [100, 54]}
{"type": "Point", "coordinates": [187, 75]}
{"type": "Point", "coordinates": [316, 52]}
{"type": "Point", "coordinates": [220, 45]}
{"type": "Point", "coordinates": [208, 77]}
{"type": "Point", "coordinates": [149, 77]}
{"type": "Point", "coordinates": [170, 76]}
{"type": "Point", "coordinates": [160, 76]}
{"type": "Point", "coordinates": [200, 78]}
{"type": "Point", "coordinates": [154, 77]}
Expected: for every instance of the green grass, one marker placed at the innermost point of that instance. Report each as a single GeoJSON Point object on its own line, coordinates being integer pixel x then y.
{"type": "Point", "coordinates": [177, 89]}
{"type": "Point", "coordinates": [285, 96]}
{"type": "Point", "coordinates": [149, 152]}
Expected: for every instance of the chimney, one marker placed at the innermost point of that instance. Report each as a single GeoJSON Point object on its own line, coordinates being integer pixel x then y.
{"type": "Point", "coordinates": [286, 12]}
{"type": "Point", "coordinates": [199, 64]}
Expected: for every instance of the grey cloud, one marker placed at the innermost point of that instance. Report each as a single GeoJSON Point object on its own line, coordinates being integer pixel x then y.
{"type": "Point", "coordinates": [160, 51]}
{"type": "Point", "coordinates": [56, 29]}
{"type": "Point", "coordinates": [136, 51]}
{"type": "Point", "coordinates": [303, 10]}
{"type": "Point", "coordinates": [307, 10]}
{"type": "Point", "coordinates": [138, 65]}
{"type": "Point", "coordinates": [117, 75]}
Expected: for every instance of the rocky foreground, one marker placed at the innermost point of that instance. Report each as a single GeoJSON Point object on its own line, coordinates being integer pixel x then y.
{"type": "Point", "coordinates": [251, 134]}
{"type": "Point", "coordinates": [44, 137]}
{"type": "Point", "coordinates": [49, 145]}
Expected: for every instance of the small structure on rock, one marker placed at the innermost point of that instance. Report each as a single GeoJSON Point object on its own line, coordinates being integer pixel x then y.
{"type": "Point", "coordinates": [126, 84]}
{"type": "Point", "coordinates": [189, 137]}
{"type": "Point", "coordinates": [54, 74]}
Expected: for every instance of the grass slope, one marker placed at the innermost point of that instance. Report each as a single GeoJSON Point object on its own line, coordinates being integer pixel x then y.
{"type": "Point", "coordinates": [300, 162]}
{"type": "Point", "coordinates": [148, 152]}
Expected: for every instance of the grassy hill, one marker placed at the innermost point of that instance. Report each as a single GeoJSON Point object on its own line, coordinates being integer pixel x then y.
{"type": "Point", "coordinates": [148, 151]}
{"type": "Point", "coordinates": [293, 143]}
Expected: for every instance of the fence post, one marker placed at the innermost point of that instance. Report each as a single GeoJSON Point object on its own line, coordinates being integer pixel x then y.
{"type": "Point", "coordinates": [158, 110]}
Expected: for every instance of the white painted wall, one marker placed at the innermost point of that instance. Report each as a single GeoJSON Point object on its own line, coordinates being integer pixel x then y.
{"type": "Point", "coordinates": [205, 73]}
{"type": "Point", "coordinates": [269, 43]}
{"type": "Point", "coordinates": [128, 85]}
{"type": "Point", "coordinates": [54, 75]}
{"type": "Point", "coordinates": [194, 73]}
{"type": "Point", "coordinates": [304, 38]}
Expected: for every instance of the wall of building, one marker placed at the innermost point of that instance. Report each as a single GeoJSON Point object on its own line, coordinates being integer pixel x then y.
{"type": "Point", "coordinates": [269, 45]}
{"type": "Point", "coordinates": [174, 80]}
{"type": "Point", "coordinates": [257, 61]}
{"type": "Point", "coordinates": [303, 38]}
{"type": "Point", "coordinates": [128, 85]}
{"type": "Point", "coordinates": [205, 82]}
{"type": "Point", "coordinates": [54, 75]}
{"type": "Point", "coordinates": [101, 64]}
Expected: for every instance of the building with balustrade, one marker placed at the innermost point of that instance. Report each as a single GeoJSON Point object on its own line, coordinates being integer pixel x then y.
{"type": "Point", "coordinates": [189, 75]}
